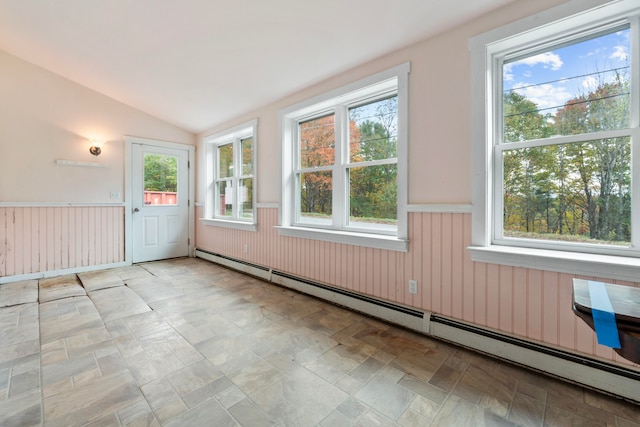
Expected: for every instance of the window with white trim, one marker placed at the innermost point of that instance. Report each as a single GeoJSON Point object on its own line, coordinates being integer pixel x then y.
{"type": "Point", "coordinates": [344, 164]}
{"type": "Point", "coordinates": [231, 176]}
{"type": "Point", "coordinates": [558, 117]}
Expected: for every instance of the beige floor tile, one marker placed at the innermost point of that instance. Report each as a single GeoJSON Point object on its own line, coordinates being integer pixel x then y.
{"type": "Point", "coordinates": [420, 364]}
{"type": "Point", "coordinates": [23, 410]}
{"type": "Point", "coordinates": [491, 383]}
{"type": "Point", "coordinates": [336, 419]}
{"type": "Point", "coordinates": [298, 399]}
{"type": "Point", "coordinates": [374, 418]}
{"type": "Point", "coordinates": [147, 369]}
{"type": "Point", "coordinates": [412, 418]}
{"type": "Point", "coordinates": [387, 397]}
{"type": "Point", "coordinates": [15, 293]}
{"type": "Point", "coordinates": [101, 279]}
{"type": "Point", "coordinates": [92, 400]}
{"type": "Point", "coordinates": [231, 396]}
{"type": "Point", "coordinates": [527, 411]}
{"type": "Point", "coordinates": [613, 405]}
{"type": "Point", "coordinates": [151, 288]}
{"type": "Point", "coordinates": [117, 303]}
{"type": "Point", "coordinates": [132, 272]}
{"type": "Point", "coordinates": [559, 417]}
{"type": "Point", "coordinates": [258, 375]}
{"type": "Point", "coordinates": [215, 347]}
{"type": "Point", "coordinates": [138, 413]}
{"type": "Point", "coordinates": [60, 287]}
{"type": "Point", "coordinates": [459, 412]}
{"type": "Point", "coordinates": [194, 377]}
{"type": "Point", "coordinates": [247, 414]}
{"type": "Point", "coordinates": [424, 389]}
{"type": "Point", "coordinates": [213, 389]}
{"type": "Point", "coordinates": [367, 369]}
{"type": "Point", "coordinates": [67, 368]}
{"type": "Point", "coordinates": [18, 324]}
{"type": "Point", "coordinates": [425, 407]}
{"type": "Point", "coordinates": [208, 413]}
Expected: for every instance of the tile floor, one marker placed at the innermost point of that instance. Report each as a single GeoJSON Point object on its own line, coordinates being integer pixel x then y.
{"type": "Point", "coordinates": [189, 343]}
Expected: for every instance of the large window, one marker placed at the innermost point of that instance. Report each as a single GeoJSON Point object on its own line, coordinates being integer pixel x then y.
{"type": "Point", "coordinates": [231, 176]}
{"type": "Point", "coordinates": [344, 164]}
{"type": "Point", "coordinates": [561, 124]}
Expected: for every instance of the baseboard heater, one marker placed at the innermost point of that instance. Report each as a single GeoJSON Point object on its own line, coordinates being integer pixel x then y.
{"type": "Point", "coordinates": [564, 364]}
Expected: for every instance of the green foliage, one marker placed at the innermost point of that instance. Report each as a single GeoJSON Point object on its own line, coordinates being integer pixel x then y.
{"type": "Point", "coordinates": [373, 187]}
{"type": "Point", "coordinates": [160, 173]}
{"type": "Point", "coordinates": [575, 191]}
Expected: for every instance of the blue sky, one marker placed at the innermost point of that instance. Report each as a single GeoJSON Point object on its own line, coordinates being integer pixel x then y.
{"type": "Point", "coordinates": [551, 78]}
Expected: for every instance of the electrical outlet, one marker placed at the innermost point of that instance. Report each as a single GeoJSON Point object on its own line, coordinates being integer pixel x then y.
{"type": "Point", "coordinates": [413, 287]}
{"type": "Point", "coordinates": [115, 195]}
{"type": "Point", "coordinates": [246, 248]}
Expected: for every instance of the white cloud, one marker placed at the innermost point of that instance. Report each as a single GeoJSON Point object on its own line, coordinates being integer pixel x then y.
{"type": "Point", "coordinates": [546, 96]}
{"type": "Point", "coordinates": [507, 74]}
{"type": "Point", "coordinates": [547, 59]}
{"type": "Point", "coordinates": [620, 53]}
{"type": "Point", "coordinates": [590, 83]}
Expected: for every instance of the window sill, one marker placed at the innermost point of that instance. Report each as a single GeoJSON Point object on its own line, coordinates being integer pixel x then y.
{"type": "Point", "coordinates": [245, 226]}
{"type": "Point", "coordinates": [576, 263]}
{"type": "Point", "coordinates": [376, 241]}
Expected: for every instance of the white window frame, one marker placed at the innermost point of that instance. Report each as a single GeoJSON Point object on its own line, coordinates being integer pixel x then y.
{"type": "Point", "coordinates": [486, 52]}
{"type": "Point", "coordinates": [385, 83]}
{"type": "Point", "coordinates": [233, 136]}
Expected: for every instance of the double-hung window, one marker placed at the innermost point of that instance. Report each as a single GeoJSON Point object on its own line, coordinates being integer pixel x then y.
{"type": "Point", "coordinates": [559, 118]}
{"type": "Point", "coordinates": [344, 164]}
{"type": "Point", "coordinates": [231, 177]}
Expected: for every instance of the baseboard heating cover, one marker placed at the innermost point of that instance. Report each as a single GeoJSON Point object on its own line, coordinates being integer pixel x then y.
{"type": "Point", "coordinates": [607, 377]}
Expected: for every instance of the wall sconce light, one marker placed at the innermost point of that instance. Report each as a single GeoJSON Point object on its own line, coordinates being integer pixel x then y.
{"type": "Point", "coordinates": [96, 146]}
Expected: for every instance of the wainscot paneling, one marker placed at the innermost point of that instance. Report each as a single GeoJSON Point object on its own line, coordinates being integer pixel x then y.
{"type": "Point", "coordinates": [38, 239]}
{"type": "Point", "coordinates": [528, 303]}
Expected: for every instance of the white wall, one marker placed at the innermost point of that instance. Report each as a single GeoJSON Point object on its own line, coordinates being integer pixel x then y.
{"type": "Point", "coordinates": [439, 112]}
{"type": "Point", "coordinates": [44, 117]}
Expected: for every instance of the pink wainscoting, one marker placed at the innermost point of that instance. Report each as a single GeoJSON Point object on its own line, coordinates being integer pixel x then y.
{"type": "Point", "coordinates": [529, 303]}
{"type": "Point", "coordinates": [41, 239]}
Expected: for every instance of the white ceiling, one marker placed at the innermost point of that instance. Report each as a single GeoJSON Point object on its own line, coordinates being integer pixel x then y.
{"type": "Point", "coordinates": [198, 63]}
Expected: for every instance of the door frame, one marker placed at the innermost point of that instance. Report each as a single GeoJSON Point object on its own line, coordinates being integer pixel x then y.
{"type": "Point", "coordinates": [128, 190]}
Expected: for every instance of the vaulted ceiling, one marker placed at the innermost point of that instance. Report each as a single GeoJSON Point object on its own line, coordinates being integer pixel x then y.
{"type": "Point", "coordinates": [198, 63]}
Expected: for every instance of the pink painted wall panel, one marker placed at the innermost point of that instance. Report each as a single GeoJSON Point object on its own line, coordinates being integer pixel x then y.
{"type": "Point", "coordinates": [533, 300]}
{"type": "Point", "coordinates": [479, 284]}
{"type": "Point", "coordinates": [550, 308]}
{"type": "Point", "coordinates": [519, 301]}
{"type": "Point", "coordinates": [40, 239]}
{"type": "Point", "coordinates": [530, 303]}
{"type": "Point", "coordinates": [493, 287]}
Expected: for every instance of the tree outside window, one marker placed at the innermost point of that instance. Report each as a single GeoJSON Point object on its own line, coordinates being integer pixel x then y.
{"type": "Point", "coordinates": [565, 147]}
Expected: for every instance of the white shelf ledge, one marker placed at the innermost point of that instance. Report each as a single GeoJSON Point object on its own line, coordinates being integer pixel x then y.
{"type": "Point", "coordinates": [86, 164]}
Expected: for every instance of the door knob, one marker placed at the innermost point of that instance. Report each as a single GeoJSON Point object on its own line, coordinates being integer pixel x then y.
{"type": "Point", "coordinates": [136, 210]}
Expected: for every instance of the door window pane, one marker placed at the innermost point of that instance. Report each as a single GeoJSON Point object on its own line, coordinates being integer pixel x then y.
{"type": "Point", "coordinates": [160, 179]}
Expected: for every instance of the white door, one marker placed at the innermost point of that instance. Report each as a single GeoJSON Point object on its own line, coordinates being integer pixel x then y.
{"type": "Point", "coordinates": [160, 202]}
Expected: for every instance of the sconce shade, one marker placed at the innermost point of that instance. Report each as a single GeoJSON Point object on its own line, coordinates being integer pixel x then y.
{"type": "Point", "coordinates": [96, 146]}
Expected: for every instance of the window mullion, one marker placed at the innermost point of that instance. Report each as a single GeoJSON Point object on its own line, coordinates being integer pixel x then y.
{"type": "Point", "coordinates": [635, 130]}
{"type": "Point", "coordinates": [340, 181]}
{"type": "Point", "coordinates": [237, 164]}
{"type": "Point", "coordinates": [497, 205]}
